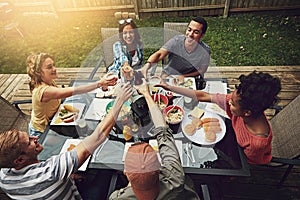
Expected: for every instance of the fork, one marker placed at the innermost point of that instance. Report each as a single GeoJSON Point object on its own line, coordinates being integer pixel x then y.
{"type": "Point", "coordinates": [188, 155]}
{"type": "Point", "coordinates": [190, 146]}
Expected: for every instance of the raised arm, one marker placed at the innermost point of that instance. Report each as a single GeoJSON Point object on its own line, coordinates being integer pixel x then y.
{"type": "Point", "coordinates": [156, 115]}
{"type": "Point", "coordinates": [90, 143]}
{"type": "Point", "coordinates": [172, 168]}
{"type": "Point", "coordinates": [195, 94]}
{"type": "Point", "coordinates": [154, 59]}
{"type": "Point", "coordinates": [59, 93]}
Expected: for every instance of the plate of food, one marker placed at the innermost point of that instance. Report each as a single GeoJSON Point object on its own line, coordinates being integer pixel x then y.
{"type": "Point", "coordinates": [71, 144]}
{"type": "Point", "coordinates": [68, 113]}
{"type": "Point", "coordinates": [187, 82]}
{"type": "Point", "coordinates": [125, 110]}
{"type": "Point", "coordinates": [206, 128]}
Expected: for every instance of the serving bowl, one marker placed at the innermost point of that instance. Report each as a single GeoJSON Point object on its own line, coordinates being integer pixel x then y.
{"type": "Point", "coordinates": [173, 114]}
{"type": "Point", "coordinates": [161, 100]}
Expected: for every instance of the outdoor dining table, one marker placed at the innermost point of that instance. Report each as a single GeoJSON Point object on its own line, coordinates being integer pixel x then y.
{"type": "Point", "coordinates": [225, 158]}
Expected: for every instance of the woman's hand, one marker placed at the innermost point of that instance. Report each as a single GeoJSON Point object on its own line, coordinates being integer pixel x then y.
{"type": "Point", "coordinates": [110, 79]}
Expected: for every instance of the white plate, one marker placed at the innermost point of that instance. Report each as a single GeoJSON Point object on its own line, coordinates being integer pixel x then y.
{"type": "Point", "coordinates": [199, 136]}
{"type": "Point", "coordinates": [67, 144]}
{"type": "Point", "coordinates": [79, 106]}
{"type": "Point", "coordinates": [96, 110]}
{"type": "Point", "coordinates": [170, 81]}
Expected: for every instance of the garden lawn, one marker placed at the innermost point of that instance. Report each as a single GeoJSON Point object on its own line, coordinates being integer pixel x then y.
{"type": "Point", "coordinates": [74, 39]}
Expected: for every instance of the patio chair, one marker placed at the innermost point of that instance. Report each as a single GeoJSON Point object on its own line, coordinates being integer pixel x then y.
{"type": "Point", "coordinates": [109, 37]}
{"type": "Point", "coordinates": [12, 117]}
{"type": "Point", "coordinates": [171, 29]}
{"type": "Point", "coordinates": [8, 22]}
{"type": "Point", "coordinates": [286, 137]}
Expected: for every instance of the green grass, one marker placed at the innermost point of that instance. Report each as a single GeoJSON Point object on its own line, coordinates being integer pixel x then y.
{"type": "Point", "coordinates": [74, 40]}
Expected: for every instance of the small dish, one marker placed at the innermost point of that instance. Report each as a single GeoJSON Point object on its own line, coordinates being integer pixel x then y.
{"type": "Point", "coordinates": [161, 100]}
{"type": "Point", "coordinates": [173, 114]}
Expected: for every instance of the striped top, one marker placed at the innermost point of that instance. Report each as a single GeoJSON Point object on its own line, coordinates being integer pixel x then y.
{"type": "Point", "coordinates": [49, 179]}
{"type": "Point", "coordinates": [257, 149]}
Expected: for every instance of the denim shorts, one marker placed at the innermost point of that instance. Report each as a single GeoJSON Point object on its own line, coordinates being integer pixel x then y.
{"type": "Point", "coordinates": [33, 132]}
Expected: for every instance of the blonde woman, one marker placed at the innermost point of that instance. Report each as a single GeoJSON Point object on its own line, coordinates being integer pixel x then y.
{"type": "Point", "coordinates": [46, 95]}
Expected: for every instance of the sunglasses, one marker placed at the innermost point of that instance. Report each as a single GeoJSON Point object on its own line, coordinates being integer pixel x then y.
{"type": "Point", "coordinates": [122, 21]}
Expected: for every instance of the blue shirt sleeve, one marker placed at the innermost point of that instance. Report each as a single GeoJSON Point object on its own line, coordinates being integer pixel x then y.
{"type": "Point", "coordinates": [119, 56]}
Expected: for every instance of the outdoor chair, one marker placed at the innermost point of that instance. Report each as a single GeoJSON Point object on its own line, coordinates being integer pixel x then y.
{"type": "Point", "coordinates": [286, 137]}
{"type": "Point", "coordinates": [109, 37]}
{"type": "Point", "coordinates": [12, 117]}
{"type": "Point", "coordinates": [8, 22]}
{"type": "Point", "coordinates": [171, 29]}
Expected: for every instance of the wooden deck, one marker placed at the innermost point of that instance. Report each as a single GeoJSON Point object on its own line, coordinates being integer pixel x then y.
{"type": "Point", "coordinates": [262, 182]}
{"type": "Point", "coordinates": [15, 86]}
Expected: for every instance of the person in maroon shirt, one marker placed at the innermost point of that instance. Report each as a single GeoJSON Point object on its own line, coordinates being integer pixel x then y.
{"type": "Point", "coordinates": [245, 106]}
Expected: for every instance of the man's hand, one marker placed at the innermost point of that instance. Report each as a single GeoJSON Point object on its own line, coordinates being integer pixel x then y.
{"type": "Point", "coordinates": [143, 88]}
{"type": "Point", "coordinates": [144, 70]}
{"type": "Point", "coordinates": [125, 92]}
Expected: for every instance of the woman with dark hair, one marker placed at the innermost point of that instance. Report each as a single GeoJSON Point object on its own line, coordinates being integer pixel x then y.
{"type": "Point", "coordinates": [46, 95]}
{"type": "Point", "coordinates": [245, 107]}
{"type": "Point", "coordinates": [129, 50]}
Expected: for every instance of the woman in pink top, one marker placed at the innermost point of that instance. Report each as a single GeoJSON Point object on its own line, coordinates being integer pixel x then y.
{"type": "Point", "coordinates": [245, 106]}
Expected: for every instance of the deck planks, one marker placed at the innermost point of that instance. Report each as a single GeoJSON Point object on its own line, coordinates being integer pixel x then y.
{"type": "Point", "coordinates": [262, 182]}
{"type": "Point", "coordinates": [15, 86]}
